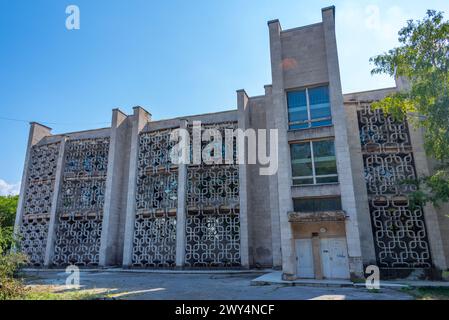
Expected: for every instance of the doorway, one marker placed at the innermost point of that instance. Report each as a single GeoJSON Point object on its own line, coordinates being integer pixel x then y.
{"type": "Point", "coordinates": [334, 257]}
{"type": "Point", "coordinates": [304, 256]}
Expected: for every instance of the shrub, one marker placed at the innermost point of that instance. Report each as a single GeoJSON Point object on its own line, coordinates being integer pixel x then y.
{"type": "Point", "coordinates": [10, 262]}
{"type": "Point", "coordinates": [10, 287]}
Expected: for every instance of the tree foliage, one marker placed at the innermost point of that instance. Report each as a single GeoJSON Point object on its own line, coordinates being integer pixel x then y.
{"type": "Point", "coordinates": [8, 206]}
{"type": "Point", "coordinates": [10, 262]}
{"type": "Point", "coordinates": [423, 59]}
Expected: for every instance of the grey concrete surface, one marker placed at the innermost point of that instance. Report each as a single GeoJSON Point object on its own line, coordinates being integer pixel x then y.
{"type": "Point", "coordinates": [151, 286]}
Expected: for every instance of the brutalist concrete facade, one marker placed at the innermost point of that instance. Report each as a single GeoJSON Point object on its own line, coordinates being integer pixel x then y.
{"type": "Point", "coordinates": [111, 197]}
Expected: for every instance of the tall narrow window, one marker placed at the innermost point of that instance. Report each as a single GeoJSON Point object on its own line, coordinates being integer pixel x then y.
{"type": "Point", "coordinates": [309, 108]}
{"type": "Point", "coordinates": [314, 162]}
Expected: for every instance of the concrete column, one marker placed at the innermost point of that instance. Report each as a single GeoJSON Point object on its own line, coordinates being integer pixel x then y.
{"type": "Point", "coordinates": [430, 215]}
{"type": "Point", "coordinates": [181, 214]}
{"type": "Point", "coordinates": [36, 134]}
{"type": "Point", "coordinates": [243, 124]}
{"type": "Point", "coordinates": [423, 169]}
{"type": "Point", "coordinates": [284, 179]}
{"type": "Point", "coordinates": [111, 245]}
{"type": "Point", "coordinates": [273, 187]}
{"type": "Point", "coordinates": [344, 166]}
{"type": "Point", "coordinates": [316, 251]}
{"type": "Point", "coordinates": [59, 176]}
{"type": "Point", "coordinates": [362, 204]}
{"type": "Point", "coordinates": [140, 118]}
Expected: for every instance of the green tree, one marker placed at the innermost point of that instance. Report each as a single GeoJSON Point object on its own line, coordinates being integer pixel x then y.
{"type": "Point", "coordinates": [8, 206]}
{"type": "Point", "coordinates": [423, 59]}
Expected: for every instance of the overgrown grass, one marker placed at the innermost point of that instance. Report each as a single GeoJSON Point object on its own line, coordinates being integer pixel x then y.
{"type": "Point", "coordinates": [10, 286]}
{"type": "Point", "coordinates": [34, 294]}
{"type": "Point", "coordinates": [437, 293]}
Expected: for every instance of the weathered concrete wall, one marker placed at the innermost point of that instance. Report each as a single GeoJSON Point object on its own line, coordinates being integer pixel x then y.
{"type": "Point", "coordinates": [363, 213]}
{"type": "Point", "coordinates": [306, 230]}
{"type": "Point", "coordinates": [259, 215]}
{"type": "Point", "coordinates": [304, 56]}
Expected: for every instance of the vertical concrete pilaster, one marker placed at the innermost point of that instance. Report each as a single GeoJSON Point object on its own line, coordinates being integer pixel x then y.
{"type": "Point", "coordinates": [111, 246]}
{"type": "Point", "coordinates": [181, 214]}
{"type": "Point", "coordinates": [423, 169]}
{"type": "Point", "coordinates": [243, 124]}
{"type": "Point", "coordinates": [140, 118]}
{"type": "Point", "coordinates": [284, 180]}
{"type": "Point", "coordinates": [51, 237]}
{"type": "Point", "coordinates": [430, 214]}
{"type": "Point", "coordinates": [344, 166]}
{"type": "Point", "coordinates": [362, 202]}
{"type": "Point", "coordinates": [273, 187]}
{"type": "Point", "coordinates": [37, 133]}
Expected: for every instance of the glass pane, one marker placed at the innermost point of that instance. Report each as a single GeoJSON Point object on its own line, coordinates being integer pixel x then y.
{"type": "Point", "coordinates": [325, 161]}
{"type": "Point", "coordinates": [317, 204]}
{"type": "Point", "coordinates": [304, 205]}
{"type": "Point", "coordinates": [299, 182]}
{"type": "Point", "coordinates": [321, 123]}
{"type": "Point", "coordinates": [301, 160]}
{"type": "Point", "coordinates": [327, 179]}
{"type": "Point", "coordinates": [328, 204]}
{"type": "Point", "coordinates": [299, 126]}
{"type": "Point", "coordinates": [297, 108]}
{"type": "Point", "coordinates": [319, 104]}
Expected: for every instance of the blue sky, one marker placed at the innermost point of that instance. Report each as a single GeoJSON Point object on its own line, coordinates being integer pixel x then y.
{"type": "Point", "coordinates": [173, 57]}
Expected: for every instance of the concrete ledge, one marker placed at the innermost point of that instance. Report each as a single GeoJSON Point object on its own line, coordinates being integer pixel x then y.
{"type": "Point", "coordinates": [275, 278]}
{"type": "Point", "coordinates": [155, 271]}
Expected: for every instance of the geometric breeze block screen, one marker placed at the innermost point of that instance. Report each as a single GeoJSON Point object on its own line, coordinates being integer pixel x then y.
{"type": "Point", "coordinates": [399, 230]}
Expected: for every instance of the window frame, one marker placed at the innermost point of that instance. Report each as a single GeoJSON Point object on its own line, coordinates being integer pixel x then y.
{"type": "Point", "coordinates": [336, 198]}
{"type": "Point", "coordinates": [314, 175]}
{"type": "Point", "coordinates": [309, 121]}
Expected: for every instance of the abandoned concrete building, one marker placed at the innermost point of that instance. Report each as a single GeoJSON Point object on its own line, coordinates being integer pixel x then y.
{"type": "Point", "coordinates": [111, 197]}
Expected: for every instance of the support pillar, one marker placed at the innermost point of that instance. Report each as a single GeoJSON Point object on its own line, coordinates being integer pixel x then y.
{"type": "Point", "coordinates": [284, 180]}
{"type": "Point", "coordinates": [423, 169]}
{"type": "Point", "coordinates": [345, 174]}
{"type": "Point", "coordinates": [273, 187]}
{"type": "Point", "coordinates": [181, 214]}
{"type": "Point", "coordinates": [243, 123]}
{"type": "Point", "coordinates": [51, 237]}
{"type": "Point", "coordinates": [140, 118]}
{"type": "Point", "coordinates": [111, 245]}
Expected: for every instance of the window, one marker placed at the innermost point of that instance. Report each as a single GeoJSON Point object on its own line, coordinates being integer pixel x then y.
{"type": "Point", "coordinates": [309, 108]}
{"type": "Point", "coordinates": [317, 204]}
{"type": "Point", "coordinates": [314, 162]}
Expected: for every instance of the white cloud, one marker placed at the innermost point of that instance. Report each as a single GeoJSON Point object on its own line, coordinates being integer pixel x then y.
{"type": "Point", "coordinates": [9, 189]}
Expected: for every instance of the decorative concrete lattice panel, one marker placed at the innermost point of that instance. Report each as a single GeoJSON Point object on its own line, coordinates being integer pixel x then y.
{"type": "Point", "coordinates": [154, 240]}
{"type": "Point", "coordinates": [399, 229]}
{"type": "Point", "coordinates": [38, 198]}
{"type": "Point", "coordinates": [213, 221]}
{"type": "Point", "coordinates": [213, 238]}
{"type": "Point", "coordinates": [80, 203]}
